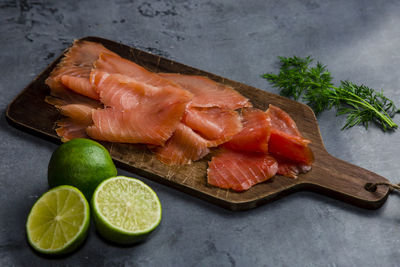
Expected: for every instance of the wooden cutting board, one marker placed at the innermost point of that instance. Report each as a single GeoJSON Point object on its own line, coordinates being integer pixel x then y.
{"type": "Point", "coordinates": [329, 175]}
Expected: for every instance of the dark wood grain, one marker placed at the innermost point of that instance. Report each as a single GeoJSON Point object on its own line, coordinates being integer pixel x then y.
{"type": "Point", "coordinates": [329, 175]}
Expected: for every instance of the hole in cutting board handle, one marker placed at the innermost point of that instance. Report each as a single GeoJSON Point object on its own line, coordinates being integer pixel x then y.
{"type": "Point", "coordinates": [370, 187]}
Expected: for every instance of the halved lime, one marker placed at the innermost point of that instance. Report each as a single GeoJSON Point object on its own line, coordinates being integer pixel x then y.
{"type": "Point", "coordinates": [59, 221]}
{"type": "Point", "coordinates": [125, 210]}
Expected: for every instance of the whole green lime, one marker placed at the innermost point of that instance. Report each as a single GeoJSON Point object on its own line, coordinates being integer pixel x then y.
{"type": "Point", "coordinates": [82, 163]}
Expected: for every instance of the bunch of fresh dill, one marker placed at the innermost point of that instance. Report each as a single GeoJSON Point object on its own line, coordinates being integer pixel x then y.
{"type": "Point", "coordinates": [360, 103]}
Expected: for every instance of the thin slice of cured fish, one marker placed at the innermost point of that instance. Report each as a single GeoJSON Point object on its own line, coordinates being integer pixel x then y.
{"type": "Point", "coordinates": [184, 147]}
{"type": "Point", "coordinates": [148, 124]}
{"type": "Point", "coordinates": [287, 144]}
{"type": "Point", "coordinates": [69, 129]}
{"type": "Point", "coordinates": [65, 97]}
{"type": "Point", "coordinates": [294, 148]}
{"type": "Point", "coordinates": [208, 93]}
{"type": "Point", "coordinates": [74, 68]}
{"type": "Point", "coordinates": [115, 64]}
{"type": "Point", "coordinates": [255, 134]}
{"type": "Point", "coordinates": [214, 124]}
{"type": "Point", "coordinates": [77, 110]}
{"type": "Point", "coordinates": [80, 113]}
{"type": "Point", "coordinates": [281, 121]}
{"type": "Point", "coordinates": [285, 139]}
{"type": "Point", "coordinates": [126, 93]}
{"type": "Point", "coordinates": [79, 85]}
{"type": "Point", "coordinates": [240, 170]}
{"type": "Point", "coordinates": [291, 169]}
{"type": "Point", "coordinates": [139, 112]}
{"type": "Point", "coordinates": [79, 116]}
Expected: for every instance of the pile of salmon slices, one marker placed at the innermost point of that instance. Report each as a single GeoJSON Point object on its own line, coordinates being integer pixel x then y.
{"type": "Point", "coordinates": [180, 117]}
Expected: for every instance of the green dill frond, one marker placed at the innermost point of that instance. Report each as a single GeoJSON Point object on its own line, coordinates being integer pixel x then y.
{"type": "Point", "coordinates": [361, 104]}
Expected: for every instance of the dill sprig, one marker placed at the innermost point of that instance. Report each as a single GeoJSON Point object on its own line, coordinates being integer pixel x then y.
{"type": "Point", "coordinates": [362, 105]}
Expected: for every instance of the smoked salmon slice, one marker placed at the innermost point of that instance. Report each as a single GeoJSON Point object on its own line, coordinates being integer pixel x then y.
{"type": "Point", "coordinates": [255, 134]}
{"type": "Point", "coordinates": [74, 68]}
{"type": "Point", "coordinates": [147, 124]}
{"type": "Point", "coordinates": [77, 109]}
{"type": "Point", "coordinates": [287, 144]}
{"type": "Point", "coordinates": [281, 121]}
{"type": "Point", "coordinates": [291, 169]}
{"type": "Point", "coordinates": [126, 93]}
{"type": "Point", "coordinates": [79, 85]}
{"type": "Point", "coordinates": [66, 97]}
{"type": "Point", "coordinates": [285, 139]}
{"type": "Point", "coordinates": [69, 129]}
{"type": "Point", "coordinates": [208, 93]}
{"type": "Point", "coordinates": [80, 113]}
{"type": "Point", "coordinates": [294, 148]}
{"type": "Point", "coordinates": [184, 147]}
{"type": "Point", "coordinates": [114, 64]}
{"type": "Point", "coordinates": [240, 170]}
{"type": "Point", "coordinates": [139, 113]}
{"type": "Point", "coordinates": [214, 124]}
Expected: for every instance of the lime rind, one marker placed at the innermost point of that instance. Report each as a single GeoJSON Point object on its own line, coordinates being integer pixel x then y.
{"type": "Point", "coordinates": [117, 234]}
{"type": "Point", "coordinates": [74, 241]}
{"type": "Point", "coordinates": [82, 163]}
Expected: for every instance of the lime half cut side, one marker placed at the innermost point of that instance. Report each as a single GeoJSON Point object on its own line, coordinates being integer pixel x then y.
{"type": "Point", "coordinates": [59, 221]}
{"type": "Point", "coordinates": [125, 210]}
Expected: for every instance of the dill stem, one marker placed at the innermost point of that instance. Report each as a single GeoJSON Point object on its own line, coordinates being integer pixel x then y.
{"type": "Point", "coordinates": [361, 102]}
{"type": "Point", "coordinates": [384, 111]}
{"type": "Point", "coordinates": [364, 103]}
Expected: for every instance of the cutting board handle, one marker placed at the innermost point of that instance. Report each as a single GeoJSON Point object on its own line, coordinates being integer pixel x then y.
{"type": "Point", "coordinates": [345, 181]}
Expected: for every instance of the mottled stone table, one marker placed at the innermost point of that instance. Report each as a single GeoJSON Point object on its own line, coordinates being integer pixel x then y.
{"type": "Point", "coordinates": [358, 40]}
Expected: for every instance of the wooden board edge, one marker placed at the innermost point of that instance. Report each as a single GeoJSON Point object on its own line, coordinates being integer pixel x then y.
{"type": "Point", "coordinates": [361, 203]}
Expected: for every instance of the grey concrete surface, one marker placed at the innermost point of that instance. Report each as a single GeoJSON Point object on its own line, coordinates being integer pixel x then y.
{"type": "Point", "coordinates": [358, 40]}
